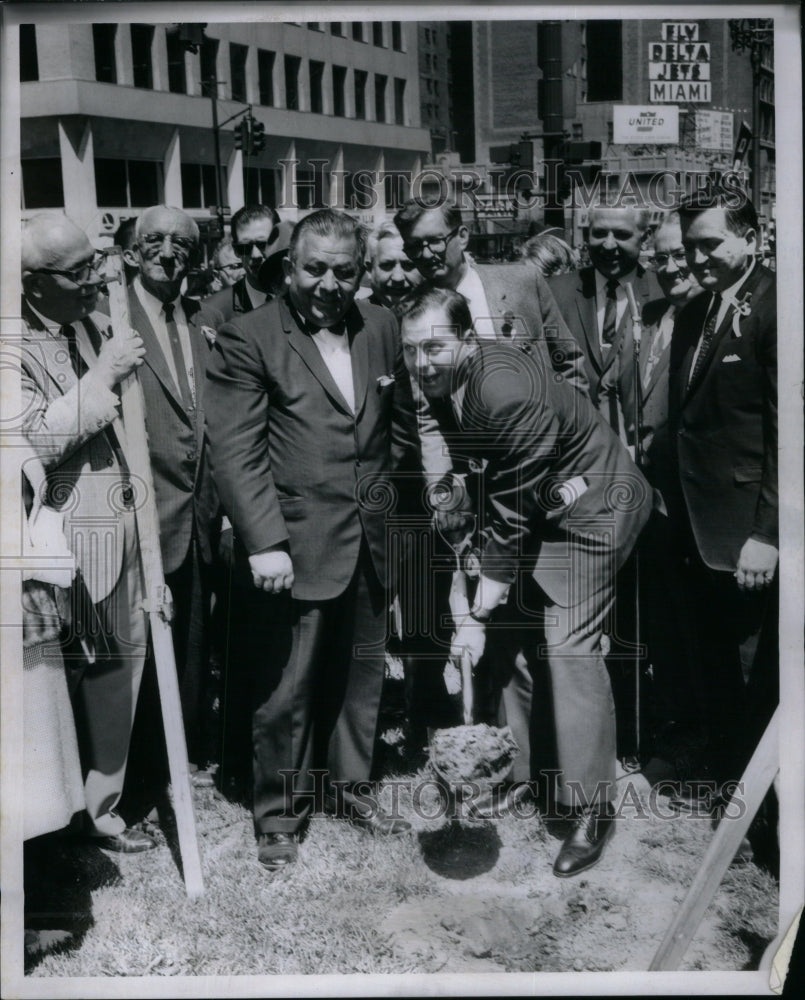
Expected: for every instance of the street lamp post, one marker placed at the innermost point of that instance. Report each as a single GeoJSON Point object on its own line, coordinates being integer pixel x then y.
{"type": "Point", "coordinates": [753, 34]}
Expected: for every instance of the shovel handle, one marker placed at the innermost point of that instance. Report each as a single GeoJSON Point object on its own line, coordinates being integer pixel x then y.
{"type": "Point", "coordinates": [464, 664]}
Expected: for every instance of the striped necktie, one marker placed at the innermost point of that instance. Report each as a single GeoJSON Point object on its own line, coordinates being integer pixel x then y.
{"type": "Point", "coordinates": [183, 383]}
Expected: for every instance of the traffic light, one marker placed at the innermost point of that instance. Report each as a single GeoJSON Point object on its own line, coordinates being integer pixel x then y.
{"type": "Point", "coordinates": [243, 135]}
{"type": "Point", "coordinates": [258, 135]}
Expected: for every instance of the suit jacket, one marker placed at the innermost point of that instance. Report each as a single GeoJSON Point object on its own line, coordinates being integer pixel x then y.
{"type": "Point", "coordinates": [559, 488]}
{"type": "Point", "coordinates": [723, 427]}
{"type": "Point", "coordinates": [75, 427]}
{"type": "Point", "coordinates": [291, 462]}
{"type": "Point", "coordinates": [229, 302]}
{"type": "Point", "coordinates": [575, 298]}
{"type": "Point", "coordinates": [522, 306]}
{"type": "Point", "coordinates": [185, 494]}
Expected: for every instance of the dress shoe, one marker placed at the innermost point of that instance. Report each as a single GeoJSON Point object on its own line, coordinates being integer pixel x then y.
{"type": "Point", "coordinates": [367, 817]}
{"type": "Point", "coordinates": [128, 841]}
{"type": "Point", "coordinates": [379, 823]}
{"type": "Point", "coordinates": [497, 803]}
{"type": "Point", "coordinates": [585, 844]}
{"type": "Point", "coordinates": [277, 850]}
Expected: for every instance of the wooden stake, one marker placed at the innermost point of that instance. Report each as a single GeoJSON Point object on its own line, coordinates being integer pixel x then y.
{"type": "Point", "coordinates": [756, 780]}
{"type": "Point", "coordinates": [157, 595]}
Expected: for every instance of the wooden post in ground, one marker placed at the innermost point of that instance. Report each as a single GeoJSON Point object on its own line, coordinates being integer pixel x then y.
{"type": "Point", "coordinates": [756, 780]}
{"type": "Point", "coordinates": [157, 595]}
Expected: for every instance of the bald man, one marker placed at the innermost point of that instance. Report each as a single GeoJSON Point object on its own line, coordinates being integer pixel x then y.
{"type": "Point", "coordinates": [173, 376]}
{"type": "Point", "coordinates": [71, 369]}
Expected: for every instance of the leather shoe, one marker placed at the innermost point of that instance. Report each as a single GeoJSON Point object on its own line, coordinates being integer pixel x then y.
{"type": "Point", "coordinates": [585, 844]}
{"type": "Point", "coordinates": [128, 841]}
{"type": "Point", "coordinates": [277, 850]}
{"type": "Point", "coordinates": [379, 823]}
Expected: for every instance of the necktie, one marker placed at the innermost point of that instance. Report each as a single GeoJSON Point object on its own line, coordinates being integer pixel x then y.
{"type": "Point", "coordinates": [610, 326]}
{"type": "Point", "coordinates": [708, 333]}
{"type": "Point", "coordinates": [78, 363]}
{"type": "Point", "coordinates": [183, 382]}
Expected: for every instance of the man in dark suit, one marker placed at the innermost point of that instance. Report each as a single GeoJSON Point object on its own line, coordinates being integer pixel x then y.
{"type": "Point", "coordinates": [723, 500]}
{"type": "Point", "coordinates": [564, 506]}
{"type": "Point", "coordinates": [594, 304]}
{"type": "Point", "coordinates": [303, 399]}
{"type": "Point", "coordinates": [255, 232]}
{"type": "Point", "coordinates": [173, 381]}
{"type": "Point", "coordinates": [72, 367]}
{"type": "Point", "coordinates": [661, 590]}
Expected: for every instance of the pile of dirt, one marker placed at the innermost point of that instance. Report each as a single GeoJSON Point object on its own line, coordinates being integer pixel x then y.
{"type": "Point", "coordinates": [472, 753]}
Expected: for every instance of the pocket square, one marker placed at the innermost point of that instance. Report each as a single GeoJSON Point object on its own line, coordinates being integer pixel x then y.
{"type": "Point", "coordinates": [730, 357]}
{"type": "Point", "coordinates": [384, 380]}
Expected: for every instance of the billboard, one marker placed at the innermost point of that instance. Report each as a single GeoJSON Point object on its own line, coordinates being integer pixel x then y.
{"type": "Point", "coordinates": [714, 130]}
{"type": "Point", "coordinates": [635, 123]}
{"type": "Point", "coordinates": [679, 65]}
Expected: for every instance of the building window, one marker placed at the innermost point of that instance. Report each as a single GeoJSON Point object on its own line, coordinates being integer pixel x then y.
{"type": "Point", "coordinates": [380, 97]}
{"type": "Point", "coordinates": [316, 76]}
{"type": "Point", "coordinates": [142, 40]}
{"type": "Point", "coordinates": [357, 31]}
{"type": "Point", "coordinates": [337, 28]}
{"type": "Point", "coordinates": [396, 36]}
{"type": "Point", "coordinates": [42, 183]}
{"type": "Point", "coordinates": [313, 185]}
{"type": "Point", "coordinates": [29, 61]}
{"type": "Point", "coordinates": [377, 33]}
{"type": "Point", "coordinates": [314, 26]}
{"type": "Point", "coordinates": [265, 75]}
{"type": "Point", "coordinates": [604, 66]}
{"type": "Point", "coordinates": [127, 183]}
{"type": "Point", "coordinates": [292, 64]}
{"type": "Point", "coordinates": [360, 93]}
{"type": "Point", "coordinates": [103, 42]}
{"type": "Point", "coordinates": [399, 101]}
{"type": "Point", "coordinates": [339, 91]}
{"type": "Point", "coordinates": [198, 185]}
{"type": "Point", "coordinates": [208, 61]}
{"type": "Point", "coordinates": [237, 71]}
{"type": "Point", "coordinates": [177, 77]}
{"type": "Point", "coordinates": [260, 186]}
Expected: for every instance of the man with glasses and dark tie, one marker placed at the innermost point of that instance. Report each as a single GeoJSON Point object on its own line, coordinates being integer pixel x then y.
{"type": "Point", "coordinates": [72, 367]}
{"type": "Point", "coordinates": [507, 301]}
{"type": "Point", "coordinates": [173, 379]}
{"type": "Point", "coordinates": [255, 231]}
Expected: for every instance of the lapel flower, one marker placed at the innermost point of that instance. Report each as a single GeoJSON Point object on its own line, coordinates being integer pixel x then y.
{"type": "Point", "coordinates": [741, 309]}
{"type": "Point", "coordinates": [385, 380]}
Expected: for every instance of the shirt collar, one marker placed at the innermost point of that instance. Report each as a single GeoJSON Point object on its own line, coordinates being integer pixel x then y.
{"type": "Point", "coordinates": [732, 291]}
{"type": "Point", "coordinates": [152, 304]}
{"type": "Point", "coordinates": [601, 280]}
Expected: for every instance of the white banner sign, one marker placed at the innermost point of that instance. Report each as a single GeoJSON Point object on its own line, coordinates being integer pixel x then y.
{"type": "Point", "coordinates": [635, 123]}
{"type": "Point", "coordinates": [714, 130]}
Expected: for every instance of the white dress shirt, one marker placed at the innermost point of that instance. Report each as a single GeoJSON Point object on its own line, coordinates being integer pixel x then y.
{"type": "Point", "coordinates": [156, 316]}
{"type": "Point", "coordinates": [334, 349]}
{"type": "Point", "coordinates": [621, 302]}
{"type": "Point", "coordinates": [472, 288]}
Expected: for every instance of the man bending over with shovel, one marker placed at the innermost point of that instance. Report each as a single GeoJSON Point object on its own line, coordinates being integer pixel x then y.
{"type": "Point", "coordinates": [563, 507]}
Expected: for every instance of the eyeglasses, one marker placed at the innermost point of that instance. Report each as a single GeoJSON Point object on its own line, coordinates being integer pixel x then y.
{"type": "Point", "coordinates": [678, 256]}
{"type": "Point", "coordinates": [436, 244]}
{"type": "Point", "coordinates": [79, 274]}
{"type": "Point", "coordinates": [237, 266]}
{"type": "Point", "coordinates": [153, 241]}
{"type": "Point", "coordinates": [246, 249]}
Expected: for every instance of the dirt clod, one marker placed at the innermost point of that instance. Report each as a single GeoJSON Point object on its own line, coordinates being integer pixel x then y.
{"type": "Point", "coordinates": [472, 753]}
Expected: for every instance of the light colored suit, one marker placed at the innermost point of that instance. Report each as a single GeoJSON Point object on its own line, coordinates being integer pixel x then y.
{"type": "Point", "coordinates": [74, 426]}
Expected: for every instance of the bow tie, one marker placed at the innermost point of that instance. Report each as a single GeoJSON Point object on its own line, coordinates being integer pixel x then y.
{"type": "Point", "coordinates": [339, 329]}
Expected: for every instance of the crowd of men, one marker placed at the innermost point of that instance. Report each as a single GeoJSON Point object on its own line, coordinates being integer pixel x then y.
{"type": "Point", "coordinates": [600, 449]}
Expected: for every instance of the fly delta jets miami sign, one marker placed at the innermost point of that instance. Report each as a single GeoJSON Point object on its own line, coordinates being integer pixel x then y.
{"type": "Point", "coordinates": [679, 65]}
